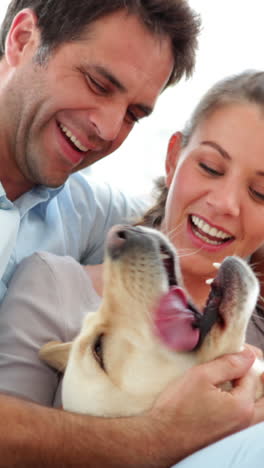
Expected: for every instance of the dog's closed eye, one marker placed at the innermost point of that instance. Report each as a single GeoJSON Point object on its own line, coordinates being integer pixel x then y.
{"type": "Point", "coordinates": [98, 350]}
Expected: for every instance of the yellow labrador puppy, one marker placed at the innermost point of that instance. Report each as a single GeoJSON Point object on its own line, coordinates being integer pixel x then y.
{"type": "Point", "coordinates": [147, 331]}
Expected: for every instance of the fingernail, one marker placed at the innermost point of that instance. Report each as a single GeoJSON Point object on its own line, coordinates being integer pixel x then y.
{"type": "Point", "coordinates": [248, 354]}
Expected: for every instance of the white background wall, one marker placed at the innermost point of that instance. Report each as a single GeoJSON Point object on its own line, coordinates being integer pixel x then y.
{"type": "Point", "coordinates": [232, 40]}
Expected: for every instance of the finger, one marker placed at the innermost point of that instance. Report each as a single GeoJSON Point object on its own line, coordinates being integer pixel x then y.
{"type": "Point", "coordinates": [258, 412]}
{"type": "Point", "coordinates": [246, 387]}
{"type": "Point", "coordinates": [258, 352]}
{"type": "Point", "coordinates": [229, 367]}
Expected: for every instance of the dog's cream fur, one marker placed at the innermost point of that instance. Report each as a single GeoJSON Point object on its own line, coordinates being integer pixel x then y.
{"type": "Point", "coordinates": [136, 365]}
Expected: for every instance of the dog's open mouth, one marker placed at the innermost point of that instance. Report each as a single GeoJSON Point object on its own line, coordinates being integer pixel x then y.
{"type": "Point", "coordinates": [178, 322]}
{"type": "Point", "coordinates": [169, 264]}
{"type": "Point", "coordinates": [212, 310]}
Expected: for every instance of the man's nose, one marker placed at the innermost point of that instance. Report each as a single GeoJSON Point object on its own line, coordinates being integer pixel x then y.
{"type": "Point", "coordinates": [108, 121]}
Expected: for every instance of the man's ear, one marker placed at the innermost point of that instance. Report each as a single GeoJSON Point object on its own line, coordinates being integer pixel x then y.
{"type": "Point", "coordinates": [23, 36]}
{"type": "Point", "coordinates": [173, 153]}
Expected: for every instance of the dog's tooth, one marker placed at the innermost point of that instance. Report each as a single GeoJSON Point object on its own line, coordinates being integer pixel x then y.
{"type": "Point", "coordinates": [209, 281]}
{"type": "Point", "coordinates": [217, 265]}
{"type": "Point", "coordinates": [164, 256]}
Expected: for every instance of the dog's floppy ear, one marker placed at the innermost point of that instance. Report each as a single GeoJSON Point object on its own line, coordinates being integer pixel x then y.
{"type": "Point", "coordinates": [56, 354]}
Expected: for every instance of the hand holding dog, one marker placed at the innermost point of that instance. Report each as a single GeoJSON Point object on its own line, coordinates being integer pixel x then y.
{"type": "Point", "coordinates": [188, 415]}
{"type": "Point", "coordinates": [195, 412]}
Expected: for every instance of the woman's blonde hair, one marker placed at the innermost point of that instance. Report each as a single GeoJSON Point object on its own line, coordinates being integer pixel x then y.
{"type": "Point", "coordinates": [247, 87]}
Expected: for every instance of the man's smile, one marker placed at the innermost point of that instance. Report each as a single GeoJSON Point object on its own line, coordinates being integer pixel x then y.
{"type": "Point", "coordinates": [73, 139]}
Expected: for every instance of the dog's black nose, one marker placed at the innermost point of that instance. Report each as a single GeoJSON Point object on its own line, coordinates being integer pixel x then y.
{"type": "Point", "coordinates": [118, 234]}
{"type": "Point", "coordinates": [122, 234]}
{"type": "Point", "coordinates": [121, 237]}
{"type": "Point", "coordinates": [116, 238]}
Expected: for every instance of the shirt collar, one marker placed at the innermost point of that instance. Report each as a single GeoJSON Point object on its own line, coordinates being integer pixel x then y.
{"type": "Point", "coordinates": [5, 203]}
{"type": "Point", "coordinates": [30, 199]}
{"type": "Point", "coordinates": [37, 195]}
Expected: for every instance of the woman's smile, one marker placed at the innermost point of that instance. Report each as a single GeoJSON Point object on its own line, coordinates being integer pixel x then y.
{"type": "Point", "coordinates": [206, 236]}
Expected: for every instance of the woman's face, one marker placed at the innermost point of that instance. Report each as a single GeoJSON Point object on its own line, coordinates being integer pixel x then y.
{"type": "Point", "coordinates": [215, 204]}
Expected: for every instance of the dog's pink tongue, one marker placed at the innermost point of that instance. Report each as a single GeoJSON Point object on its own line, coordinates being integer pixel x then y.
{"type": "Point", "coordinates": [174, 321]}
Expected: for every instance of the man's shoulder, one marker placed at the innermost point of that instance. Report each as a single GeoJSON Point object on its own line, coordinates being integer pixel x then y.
{"type": "Point", "coordinates": [101, 198]}
{"type": "Point", "coordinates": [44, 269]}
{"type": "Point", "coordinates": [49, 260]}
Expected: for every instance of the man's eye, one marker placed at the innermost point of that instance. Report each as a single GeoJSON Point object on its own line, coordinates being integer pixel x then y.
{"type": "Point", "coordinates": [210, 170]}
{"type": "Point", "coordinates": [131, 117]}
{"type": "Point", "coordinates": [98, 350]}
{"type": "Point", "coordinates": [96, 85]}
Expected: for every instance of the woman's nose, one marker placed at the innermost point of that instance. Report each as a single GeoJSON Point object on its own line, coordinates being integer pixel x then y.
{"type": "Point", "coordinates": [225, 199]}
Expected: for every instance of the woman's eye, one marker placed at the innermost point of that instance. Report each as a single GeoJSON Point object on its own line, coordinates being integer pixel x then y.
{"type": "Point", "coordinates": [98, 350]}
{"type": "Point", "coordinates": [257, 195]}
{"type": "Point", "coordinates": [210, 170]}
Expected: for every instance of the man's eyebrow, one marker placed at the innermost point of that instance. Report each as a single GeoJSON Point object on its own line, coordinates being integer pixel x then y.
{"type": "Point", "coordinates": [109, 76]}
{"type": "Point", "coordinates": [218, 148]}
{"type": "Point", "coordinates": [145, 109]}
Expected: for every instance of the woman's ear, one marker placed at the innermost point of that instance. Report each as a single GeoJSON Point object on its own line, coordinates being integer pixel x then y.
{"type": "Point", "coordinates": [23, 34]}
{"type": "Point", "coordinates": [173, 153]}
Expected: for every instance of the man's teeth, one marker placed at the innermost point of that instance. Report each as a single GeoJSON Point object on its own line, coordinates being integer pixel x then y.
{"type": "Point", "coordinates": [208, 231]}
{"type": "Point", "coordinates": [73, 139]}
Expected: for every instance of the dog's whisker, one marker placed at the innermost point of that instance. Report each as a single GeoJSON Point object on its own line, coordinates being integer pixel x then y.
{"type": "Point", "coordinates": [255, 264]}
{"type": "Point", "coordinates": [173, 232]}
{"type": "Point", "coordinates": [181, 252]}
{"type": "Point", "coordinates": [258, 274]}
{"type": "Point", "coordinates": [188, 252]}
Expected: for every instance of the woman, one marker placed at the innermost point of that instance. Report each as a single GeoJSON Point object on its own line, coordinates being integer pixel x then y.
{"type": "Point", "coordinates": [212, 205]}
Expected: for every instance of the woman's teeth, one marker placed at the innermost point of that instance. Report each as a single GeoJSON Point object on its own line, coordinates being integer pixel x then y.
{"type": "Point", "coordinates": [73, 139]}
{"type": "Point", "coordinates": [204, 230]}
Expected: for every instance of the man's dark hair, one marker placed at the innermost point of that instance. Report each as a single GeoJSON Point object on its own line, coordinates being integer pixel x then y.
{"type": "Point", "coordinates": [65, 20]}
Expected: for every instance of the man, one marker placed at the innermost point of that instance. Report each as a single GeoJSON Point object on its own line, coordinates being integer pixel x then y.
{"type": "Point", "coordinates": [75, 76]}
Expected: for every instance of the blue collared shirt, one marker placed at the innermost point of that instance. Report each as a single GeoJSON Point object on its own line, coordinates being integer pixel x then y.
{"type": "Point", "coordinates": [70, 220]}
